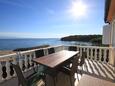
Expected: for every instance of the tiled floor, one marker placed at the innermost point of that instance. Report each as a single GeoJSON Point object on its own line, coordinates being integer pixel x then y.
{"type": "Point", "coordinates": [99, 69]}
{"type": "Point", "coordinates": [96, 69]}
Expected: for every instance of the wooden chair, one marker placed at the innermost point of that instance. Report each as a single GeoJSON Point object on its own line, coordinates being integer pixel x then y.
{"type": "Point", "coordinates": [28, 81]}
{"type": "Point", "coordinates": [51, 50]}
{"type": "Point", "coordinates": [72, 70]}
{"type": "Point", "coordinates": [82, 61]}
{"type": "Point", "coordinates": [72, 48]}
{"type": "Point", "coordinates": [39, 53]}
{"type": "Point", "coordinates": [53, 73]}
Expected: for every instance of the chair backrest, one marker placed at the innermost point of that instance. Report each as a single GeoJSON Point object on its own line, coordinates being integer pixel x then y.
{"type": "Point", "coordinates": [83, 58]}
{"type": "Point", "coordinates": [39, 53]}
{"type": "Point", "coordinates": [73, 48]}
{"type": "Point", "coordinates": [21, 80]}
{"type": "Point", "coordinates": [75, 64]}
{"type": "Point", "coordinates": [51, 50]}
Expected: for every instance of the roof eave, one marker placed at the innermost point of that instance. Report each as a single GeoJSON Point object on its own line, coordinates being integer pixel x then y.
{"type": "Point", "coordinates": [107, 6]}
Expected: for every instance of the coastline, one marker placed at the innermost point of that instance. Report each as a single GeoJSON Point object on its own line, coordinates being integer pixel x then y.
{"type": "Point", "coordinates": [5, 52]}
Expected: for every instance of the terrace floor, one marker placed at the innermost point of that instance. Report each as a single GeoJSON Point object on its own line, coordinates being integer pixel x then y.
{"type": "Point", "coordinates": [96, 69]}
{"type": "Point", "coordinates": [99, 70]}
{"type": "Point", "coordinates": [91, 67]}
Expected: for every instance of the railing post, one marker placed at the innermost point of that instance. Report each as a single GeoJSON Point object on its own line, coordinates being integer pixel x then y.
{"type": "Point", "coordinates": [112, 56]}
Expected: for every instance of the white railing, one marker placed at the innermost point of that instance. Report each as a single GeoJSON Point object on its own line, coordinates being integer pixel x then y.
{"type": "Point", "coordinates": [24, 59]}
{"type": "Point", "coordinates": [102, 54]}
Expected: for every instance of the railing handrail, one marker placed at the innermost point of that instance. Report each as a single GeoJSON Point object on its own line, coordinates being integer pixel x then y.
{"type": "Point", "coordinates": [93, 52]}
{"type": "Point", "coordinates": [27, 51]}
{"type": "Point", "coordinates": [91, 46]}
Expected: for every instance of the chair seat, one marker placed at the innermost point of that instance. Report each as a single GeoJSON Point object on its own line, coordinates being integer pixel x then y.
{"type": "Point", "coordinates": [33, 79]}
{"type": "Point", "coordinates": [66, 70]}
{"type": "Point", "coordinates": [51, 72]}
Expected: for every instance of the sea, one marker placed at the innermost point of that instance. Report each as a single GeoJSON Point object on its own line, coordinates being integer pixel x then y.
{"type": "Point", "coordinates": [11, 44]}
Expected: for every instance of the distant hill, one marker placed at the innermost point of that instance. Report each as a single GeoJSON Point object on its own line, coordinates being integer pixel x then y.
{"type": "Point", "coordinates": [31, 48]}
{"type": "Point", "coordinates": [97, 39]}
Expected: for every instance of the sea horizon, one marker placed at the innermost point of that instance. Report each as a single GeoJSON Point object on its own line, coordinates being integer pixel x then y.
{"type": "Point", "coordinates": [14, 43]}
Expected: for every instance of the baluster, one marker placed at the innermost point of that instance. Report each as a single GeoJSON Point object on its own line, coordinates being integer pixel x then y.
{"type": "Point", "coordinates": [91, 53]}
{"type": "Point", "coordinates": [1, 73]}
{"type": "Point", "coordinates": [105, 55]}
{"type": "Point", "coordinates": [88, 53]}
{"type": "Point", "coordinates": [30, 57]}
{"type": "Point", "coordinates": [15, 62]}
{"type": "Point", "coordinates": [102, 58]}
{"type": "Point", "coordinates": [8, 69]}
{"type": "Point", "coordinates": [26, 63]}
{"type": "Point", "coordinates": [84, 49]}
{"type": "Point", "coordinates": [95, 56]}
{"type": "Point", "coordinates": [34, 56]}
{"type": "Point", "coordinates": [100, 54]}
{"type": "Point", "coordinates": [108, 54]}
{"type": "Point", "coordinates": [45, 51]}
{"type": "Point", "coordinates": [4, 73]}
{"type": "Point", "coordinates": [11, 69]}
{"type": "Point", "coordinates": [80, 52]}
{"type": "Point", "coordinates": [23, 62]}
{"type": "Point", "coordinates": [20, 61]}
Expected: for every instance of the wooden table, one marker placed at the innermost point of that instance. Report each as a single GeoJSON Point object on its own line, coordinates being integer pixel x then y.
{"type": "Point", "coordinates": [87, 80]}
{"type": "Point", "coordinates": [55, 59]}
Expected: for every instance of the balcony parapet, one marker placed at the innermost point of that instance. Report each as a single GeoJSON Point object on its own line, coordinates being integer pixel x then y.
{"type": "Point", "coordinates": [24, 58]}
{"type": "Point", "coordinates": [102, 54]}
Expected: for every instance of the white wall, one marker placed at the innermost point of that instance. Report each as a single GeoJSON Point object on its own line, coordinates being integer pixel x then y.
{"type": "Point", "coordinates": [113, 33]}
{"type": "Point", "coordinates": [106, 34]}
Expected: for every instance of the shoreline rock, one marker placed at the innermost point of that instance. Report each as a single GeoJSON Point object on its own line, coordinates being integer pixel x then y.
{"type": "Point", "coordinates": [5, 52]}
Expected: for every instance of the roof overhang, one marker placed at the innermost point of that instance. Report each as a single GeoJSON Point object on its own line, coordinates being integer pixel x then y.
{"type": "Point", "coordinates": [109, 10]}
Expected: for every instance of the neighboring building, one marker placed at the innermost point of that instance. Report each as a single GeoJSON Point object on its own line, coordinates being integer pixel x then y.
{"type": "Point", "coordinates": [110, 19]}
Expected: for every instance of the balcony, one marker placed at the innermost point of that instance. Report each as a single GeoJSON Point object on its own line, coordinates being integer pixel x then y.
{"type": "Point", "coordinates": [98, 63]}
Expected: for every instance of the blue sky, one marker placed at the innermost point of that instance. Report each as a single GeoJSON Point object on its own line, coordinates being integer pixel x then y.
{"type": "Point", "coordinates": [49, 18]}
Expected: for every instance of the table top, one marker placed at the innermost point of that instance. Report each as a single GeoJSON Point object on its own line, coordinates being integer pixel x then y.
{"type": "Point", "coordinates": [55, 59]}
{"type": "Point", "coordinates": [87, 80]}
